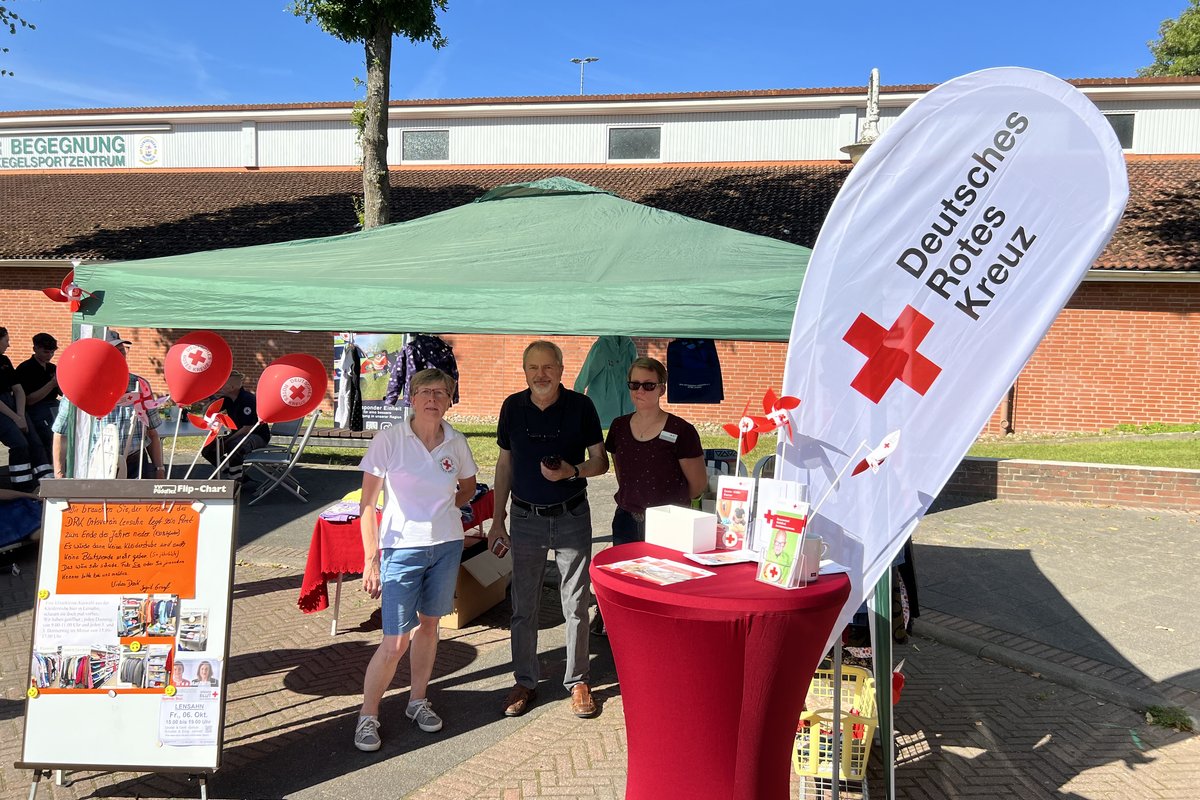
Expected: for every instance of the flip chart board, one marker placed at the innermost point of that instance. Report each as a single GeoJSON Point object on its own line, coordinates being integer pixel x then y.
{"type": "Point", "coordinates": [130, 643]}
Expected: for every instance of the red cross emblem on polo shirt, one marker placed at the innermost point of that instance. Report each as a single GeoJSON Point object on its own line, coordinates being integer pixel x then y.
{"type": "Point", "coordinates": [892, 354]}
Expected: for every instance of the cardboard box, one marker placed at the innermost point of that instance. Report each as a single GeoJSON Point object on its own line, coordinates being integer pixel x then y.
{"type": "Point", "coordinates": [684, 529]}
{"type": "Point", "coordinates": [482, 582]}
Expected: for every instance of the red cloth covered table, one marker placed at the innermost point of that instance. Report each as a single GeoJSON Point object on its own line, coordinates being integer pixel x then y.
{"type": "Point", "coordinates": [336, 549]}
{"type": "Point", "coordinates": [713, 674]}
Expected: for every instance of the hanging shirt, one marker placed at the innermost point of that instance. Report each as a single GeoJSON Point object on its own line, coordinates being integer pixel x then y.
{"type": "Point", "coordinates": [693, 372]}
{"type": "Point", "coordinates": [422, 352]}
{"type": "Point", "coordinates": [604, 375]}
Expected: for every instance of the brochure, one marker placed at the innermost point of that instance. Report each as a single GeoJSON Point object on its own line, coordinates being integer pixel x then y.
{"type": "Point", "coordinates": [657, 570]}
{"type": "Point", "coordinates": [718, 559]}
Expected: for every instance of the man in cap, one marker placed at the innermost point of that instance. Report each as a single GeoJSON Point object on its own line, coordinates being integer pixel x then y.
{"type": "Point", "coordinates": [39, 378]}
{"type": "Point", "coordinates": [133, 440]}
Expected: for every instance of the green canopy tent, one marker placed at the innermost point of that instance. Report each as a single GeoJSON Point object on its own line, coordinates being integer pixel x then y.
{"type": "Point", "coordinates": [554, 257]}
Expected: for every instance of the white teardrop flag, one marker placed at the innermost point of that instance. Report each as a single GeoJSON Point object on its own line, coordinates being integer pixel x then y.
{"type": "Point", "coordinates": [946, 256]}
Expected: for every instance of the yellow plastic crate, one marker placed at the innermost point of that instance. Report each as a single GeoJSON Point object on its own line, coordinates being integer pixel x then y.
{"type": "Point", "coordinates": [813, 754]}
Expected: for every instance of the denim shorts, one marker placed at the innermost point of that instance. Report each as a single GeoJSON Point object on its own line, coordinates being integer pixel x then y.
{"type": "Point", "coordinates": [417, 580]}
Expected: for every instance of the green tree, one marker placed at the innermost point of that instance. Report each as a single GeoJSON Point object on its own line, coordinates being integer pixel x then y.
{"type": "Point", "coordinates": [10, 19]}
{"type": "Point", "coordinates": [374, 23]}
{"type": "Point", "coordinates": [1177, 51]}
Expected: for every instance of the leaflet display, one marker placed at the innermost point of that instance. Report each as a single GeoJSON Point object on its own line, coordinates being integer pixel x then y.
{"type": "Point", "coordinates": [131, 626]}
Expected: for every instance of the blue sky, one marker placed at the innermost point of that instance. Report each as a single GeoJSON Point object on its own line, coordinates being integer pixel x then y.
{"type": "Point", "coordinates": [91, 54]}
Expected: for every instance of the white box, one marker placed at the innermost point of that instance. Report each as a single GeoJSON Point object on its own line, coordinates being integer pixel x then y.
{"type": "Point", "coordinates": [684, 529]}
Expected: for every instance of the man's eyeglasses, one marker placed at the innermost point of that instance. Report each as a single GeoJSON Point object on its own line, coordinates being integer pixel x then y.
{"type": "Point", "coordinates": [648, 386]}
{"type": "Point", "coordinates": [437, 394]}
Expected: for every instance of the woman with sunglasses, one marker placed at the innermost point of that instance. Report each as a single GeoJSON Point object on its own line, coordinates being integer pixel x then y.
{"type": "Point", "coordinates": [657, 456]}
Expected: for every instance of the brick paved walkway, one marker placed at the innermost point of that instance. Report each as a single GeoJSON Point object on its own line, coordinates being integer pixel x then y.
{"type": "Point", "coordinates": [966, 727]}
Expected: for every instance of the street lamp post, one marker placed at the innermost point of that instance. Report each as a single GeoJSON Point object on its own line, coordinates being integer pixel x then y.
{"type": "Point", "coordinates": [582, 62]}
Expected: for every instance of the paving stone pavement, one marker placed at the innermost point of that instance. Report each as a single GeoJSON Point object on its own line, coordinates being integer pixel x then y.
{"type": "Point", "coordinates": [966, 727]}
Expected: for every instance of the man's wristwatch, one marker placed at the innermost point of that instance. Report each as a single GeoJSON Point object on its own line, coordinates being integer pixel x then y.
{"type": "Point", "coordinates": [576, 475]}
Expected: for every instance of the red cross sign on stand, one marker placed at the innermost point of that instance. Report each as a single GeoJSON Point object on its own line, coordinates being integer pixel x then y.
{"type": "Point", "coordinates": [892, 354]}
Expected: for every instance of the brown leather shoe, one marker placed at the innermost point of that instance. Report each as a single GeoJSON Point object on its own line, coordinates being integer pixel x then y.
{"type": "Point", "coordinates": [582, 704]}
{"type": "Point", "coordinates": [518, 701]}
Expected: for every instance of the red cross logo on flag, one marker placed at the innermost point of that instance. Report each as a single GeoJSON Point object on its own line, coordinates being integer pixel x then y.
{"type": "Point", "coordinates": [196, 358]}
{"type": "Point", "coordinates": [295, 391]}
{"type": "Point", "coordinates": [892, 354]}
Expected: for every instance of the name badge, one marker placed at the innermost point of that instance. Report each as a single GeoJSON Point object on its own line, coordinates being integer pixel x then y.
{"type": "Point", "coordinates": [667, 436]}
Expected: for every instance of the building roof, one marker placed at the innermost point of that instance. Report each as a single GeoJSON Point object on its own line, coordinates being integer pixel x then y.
{"type": "Point", "coordinates": [857, 92]}
{"type": "Point", "coordinates": [130, 215]}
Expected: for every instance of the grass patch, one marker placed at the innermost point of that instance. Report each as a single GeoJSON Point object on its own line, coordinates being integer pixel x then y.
{"type": "Point", "coordinates": [1172, 717]}
{"type": "Point", "coordinates": [1157, 427]}
{"type": "Point", "coordinates": [1177, 453]}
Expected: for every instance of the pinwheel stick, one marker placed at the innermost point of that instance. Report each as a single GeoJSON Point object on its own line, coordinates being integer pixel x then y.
{"type": "Point", "coordinates": [737, 464]}
{"type": "Point", "coordinates": [833, 485]}
{"type": "Point", "coordinates": [174, 439]}
{"type": "Point", "coordinates": [193, 464]}
{"type": "Point", "coordinates": [233, 449]}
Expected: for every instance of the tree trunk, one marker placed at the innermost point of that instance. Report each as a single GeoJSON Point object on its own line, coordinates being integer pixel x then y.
{"type": "Point", "coordinates": [376, 190]}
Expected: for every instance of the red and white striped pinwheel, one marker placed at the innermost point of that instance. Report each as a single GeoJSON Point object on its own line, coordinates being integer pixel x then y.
{"type": "Point", "coordinates": [69, 292]}
{"type": "Point", "coordinates": [215, 422]}
{"type": "Point", "coordinates": [776, 410]}
{"type": "Point", "coordinates": [143, 401]}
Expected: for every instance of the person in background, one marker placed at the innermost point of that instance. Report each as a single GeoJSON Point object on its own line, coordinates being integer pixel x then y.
{"type": "Point", "coordinates": [242, 407]}
{"type": "Point", "coordinates": [411, 556]}
{"type": "Point", "coordinates": [657, 456]}
{"type": "Point", "coordinates": [27, 458]}
{"type": "Point", "coordinates": [39, 379]}
{"type": "Point", "coordinates": [550, 441]}
{"type": "Point", "coordinates": [135, 443]}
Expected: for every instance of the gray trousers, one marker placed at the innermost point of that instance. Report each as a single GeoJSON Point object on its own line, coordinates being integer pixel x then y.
{"type": "Point", "coordinates": [570, 537]}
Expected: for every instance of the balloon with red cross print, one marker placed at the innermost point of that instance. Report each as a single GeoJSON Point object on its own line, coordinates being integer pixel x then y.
{"type": "Point", "coordinates": [290, 387]}
{"type": "Point", "coordinates": [197, 367]}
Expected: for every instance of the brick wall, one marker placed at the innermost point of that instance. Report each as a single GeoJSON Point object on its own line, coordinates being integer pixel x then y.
{"type": "Point", "coordinates": [1119, 353]}
{"type": "Point", "coordinates": [988, 478]}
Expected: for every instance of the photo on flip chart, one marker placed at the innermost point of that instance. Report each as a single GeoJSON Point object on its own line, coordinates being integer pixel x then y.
{"type": "Point", "coordinates": [193, 630]}
{"type": "Point", "coordinates": [203, 672]}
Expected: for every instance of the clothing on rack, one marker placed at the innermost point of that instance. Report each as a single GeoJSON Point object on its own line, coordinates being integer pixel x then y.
{"type": "Point", "coordinates": [348, 411]}
{"type": "Point", "coordinates": [693, 372]}
{"type": "Point", "coordinates": [604, 375]}
{"type": "Point", "coordinates": [423, 351]}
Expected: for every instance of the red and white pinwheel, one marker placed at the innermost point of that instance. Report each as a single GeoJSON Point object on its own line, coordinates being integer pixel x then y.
{"type": "Point", "coordinates": [776, 413]}
{"type": "Point", "coordinates": [213, 421]}
{"type": "Point", "coordinates": [879, 454]}
{"type": "Point", "coordinates": [69, 292]}
{"type": "Point", "coordinates": [143, 401]}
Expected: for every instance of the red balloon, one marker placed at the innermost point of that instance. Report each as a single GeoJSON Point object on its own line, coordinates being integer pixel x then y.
{"type": "Point", "coordinates": [93, 375]}
{"type": "Point", "coordinates": [197, 367]}
{"type": "Point", "coordinates": [290, 387]}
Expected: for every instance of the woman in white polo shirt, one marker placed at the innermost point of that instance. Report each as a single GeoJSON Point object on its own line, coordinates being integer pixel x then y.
{"type": "Point", "coordinates": [411, 557]}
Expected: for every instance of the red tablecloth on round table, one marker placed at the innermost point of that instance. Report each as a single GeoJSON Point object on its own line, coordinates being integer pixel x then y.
{"type": "Point", "coordinates": [713, 674]}
{"type": "Point", "coordinates": [336, 549]}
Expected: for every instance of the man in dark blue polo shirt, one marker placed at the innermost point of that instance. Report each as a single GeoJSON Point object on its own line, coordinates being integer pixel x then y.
{"type": "Point", "coordinates": [550, 442]}
{"type": "Point", "coordinates": [242, 408]}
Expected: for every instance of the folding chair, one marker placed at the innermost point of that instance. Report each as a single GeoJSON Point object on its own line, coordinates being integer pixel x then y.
{"type": "Point", "coordinates": [281, 429]}
{"type": "Point", "coordinates": [276, 465]}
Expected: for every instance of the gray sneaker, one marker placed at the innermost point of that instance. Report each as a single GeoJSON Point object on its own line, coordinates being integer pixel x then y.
{"type": "Point", "coordinates": [422, 713]}
{"type": "Point", "coordinates": [366, 734]}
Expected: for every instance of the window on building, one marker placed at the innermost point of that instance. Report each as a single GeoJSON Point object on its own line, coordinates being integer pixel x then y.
{"type": "Point", "coordinates": [425, 145]}
{"type": "Point", "coordinates": [634, 144]}
{"type": "Point", "coordinates": [1123, 125]}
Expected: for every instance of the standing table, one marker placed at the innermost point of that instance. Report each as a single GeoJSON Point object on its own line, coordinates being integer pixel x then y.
{"type": "Point", "coordinates": [713, 674]}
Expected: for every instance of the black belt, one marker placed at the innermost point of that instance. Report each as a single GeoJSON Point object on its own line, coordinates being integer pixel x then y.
{"type": "Point", "coordinates": [554, 509]}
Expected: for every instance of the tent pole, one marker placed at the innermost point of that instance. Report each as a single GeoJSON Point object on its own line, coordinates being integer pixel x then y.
{"type": "Point", "coordinates": [882, 616]}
